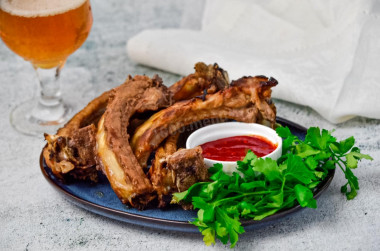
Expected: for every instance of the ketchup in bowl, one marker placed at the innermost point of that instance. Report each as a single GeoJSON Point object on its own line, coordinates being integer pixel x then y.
{"type": "Point", "coordinates": [235, 148]}
{"type": "Point", "coordinates": [227, 142]}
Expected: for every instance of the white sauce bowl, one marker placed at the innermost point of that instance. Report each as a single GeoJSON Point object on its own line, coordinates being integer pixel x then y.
{"type": "Point", "coordinates": [231, 129]}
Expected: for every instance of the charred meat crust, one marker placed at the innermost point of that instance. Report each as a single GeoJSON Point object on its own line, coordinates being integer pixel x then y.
{"type": "Point", "coordinates": [70, 153]}
{"type": "Point", "coordinates": [162, 178]}
{"type": "Point", "coordinates": [175, 171]}
{"type": "Point", "coordinates": [136, 95]}
{"type": "Point", "coordinates": [188, 167]}
{"type": "Point", "coordinates": [207, 78]}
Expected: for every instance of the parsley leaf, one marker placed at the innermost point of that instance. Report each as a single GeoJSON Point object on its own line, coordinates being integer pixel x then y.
{"type": "Point", "coordinates": [262, 187]}
{"type": "Point", "coordinates": [317, 139]}
{"type": "Point", "coordinates": [305, 196]}
{"type": "Point", "coordinates": [296, 169]}
{"type": "Point", "coordinates": [268, 167]}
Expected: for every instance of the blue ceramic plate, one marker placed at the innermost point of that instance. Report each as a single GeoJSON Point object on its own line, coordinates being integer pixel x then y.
{"type": "Point", "coordinates": [99, 198]}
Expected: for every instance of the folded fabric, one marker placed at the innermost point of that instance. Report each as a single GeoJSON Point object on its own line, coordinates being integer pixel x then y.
{"type": "Point", "coordinates": [324, 54]}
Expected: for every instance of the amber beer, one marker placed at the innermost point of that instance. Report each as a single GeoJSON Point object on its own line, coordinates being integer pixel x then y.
{"type": "Point", "coordinates": [44, 32]}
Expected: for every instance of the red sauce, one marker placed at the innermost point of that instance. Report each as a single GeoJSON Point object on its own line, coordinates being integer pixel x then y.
{"type": "Point", "coordinates": [235, 148]}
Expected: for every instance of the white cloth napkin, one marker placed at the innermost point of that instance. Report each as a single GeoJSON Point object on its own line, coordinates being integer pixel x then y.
{"type": "Point", "coordinates": [325, 54]}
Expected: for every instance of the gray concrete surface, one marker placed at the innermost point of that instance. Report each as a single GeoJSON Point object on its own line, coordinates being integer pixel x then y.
{"type": "Point", "coordinates": [33, 216]}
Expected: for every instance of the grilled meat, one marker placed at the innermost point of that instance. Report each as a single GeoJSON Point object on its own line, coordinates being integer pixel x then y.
{"type": "Point", "coordinates": [246, 100]}
{"type": "Point", "coordinates": [71, 152]}
{"type": "Point", "coordinates": [98, 137]}
{"type": "Point", "coordinates": [206, 79]}
{"type": "Point", "coordinates": [126, 176]}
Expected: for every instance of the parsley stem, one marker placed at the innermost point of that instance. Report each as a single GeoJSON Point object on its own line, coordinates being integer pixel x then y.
{"type": "Point", "coordinates": [339, 159]}
{"type": "Point", "coordinates": [217, 203]}
{"type": "Point", "coordinates": [283, 184]}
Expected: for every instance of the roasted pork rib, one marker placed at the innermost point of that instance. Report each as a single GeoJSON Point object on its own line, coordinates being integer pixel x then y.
{"type": "Point", "coordinates": [71, 152]}
{"type": "Point", "coordinates": [246, 100]}
{"type": "Point", "coordinates": [205, 79]}
{"type": "Point", "coordinates": [126, 176]}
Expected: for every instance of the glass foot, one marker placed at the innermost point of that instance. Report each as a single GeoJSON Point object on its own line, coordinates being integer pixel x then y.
{"type": "Point", "coordinates": [33, 118]}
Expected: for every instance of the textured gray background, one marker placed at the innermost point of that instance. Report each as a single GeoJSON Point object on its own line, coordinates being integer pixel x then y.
{"type": "Point", "coordinates": [33, 216]}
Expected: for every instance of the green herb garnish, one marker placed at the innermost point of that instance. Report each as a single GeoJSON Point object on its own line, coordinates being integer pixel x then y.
{"type": "Point", "coordinates": [262, 187]}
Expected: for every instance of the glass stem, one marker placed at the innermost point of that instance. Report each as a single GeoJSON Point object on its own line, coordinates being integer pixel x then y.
{"type": "Point", "coordinates": [50, 108]}
{"type": "Point", "coordinates": [49, 86]}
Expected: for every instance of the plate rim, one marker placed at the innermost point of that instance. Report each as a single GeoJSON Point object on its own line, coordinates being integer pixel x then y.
{"type": "Point", "coordinates": [167, 224]}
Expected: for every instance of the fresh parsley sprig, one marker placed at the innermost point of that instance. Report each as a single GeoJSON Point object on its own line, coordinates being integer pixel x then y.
{"type": "Point", "coordinates": [320, 150]}
{"type": "Point", "coordinates": [262, 187]}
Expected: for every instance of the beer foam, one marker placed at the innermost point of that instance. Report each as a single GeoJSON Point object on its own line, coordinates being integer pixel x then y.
{"type": "Point", "coordinates": [39, 8]}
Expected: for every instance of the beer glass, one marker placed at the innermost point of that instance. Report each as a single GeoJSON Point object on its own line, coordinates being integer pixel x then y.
{"type": "Point", "coordinates": [45, 33]}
